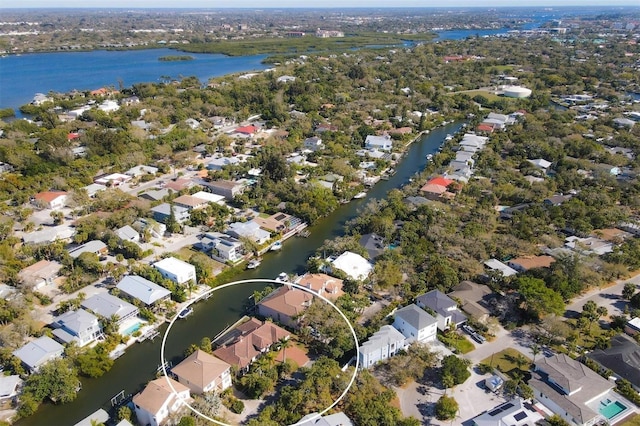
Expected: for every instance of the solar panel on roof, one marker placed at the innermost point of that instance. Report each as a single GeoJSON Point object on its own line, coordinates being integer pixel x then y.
{"type": "Point", "coordinates": [521, 415]}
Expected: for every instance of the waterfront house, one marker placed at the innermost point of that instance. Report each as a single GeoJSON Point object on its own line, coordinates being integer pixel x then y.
{"type": "Point", "coordinates": [158, 401]}
{"type": "Point", "coordinates": [108, 306]}
{"type": "Point", "coordinates": [381, 143]}
{"type": "Point", "coordinates": [96, 247]}
{"type": "Point", "coordinates": [353, 265]}
{"type": "Point", "coordinates": [322, 284]}
{"type": "Point", "coordinates": [278, 222]}
{"type": "Point", "coordinates": [40, 274]}
{"type": "Point", "coordinates": [373, 244]}
{"type": "Point", "coordinates": [142, 289]}
{"type": "Point", "coordinates": [437, 188]}
{"type": "Point", "coordinates": [415, 324]}
{"type": "Point", "coordinates": [37, 352]}
{"type": "Point", "coordinates": [573, 391]}
{"type": "Point", "coordinates": [473, 299]}
{"type": "Point", "coordinates": [250, 230]}
{"type": "Point", "coordinates": [285, 305]}
{"type": "Point", "coordinates": [54, 200]}
{"type": "Point", "coordinates": [127, 233]}
{"type": "Point", "coordinates": [222, 247]}
{"type": "Point", "coordinates": [202, 372]}
{"type": "Point", "coordinates": [255, 338]}
{"type": "Point", "coordinates": [9, 387]}
{"type": "Point", "coordinates": [445, 309]}
{"type": "Point", "coordinates": [176, 270]}
{"type": "Point", "coordinates": [383, 344]}
{"type": "Point", "coordinates": [76, 326]}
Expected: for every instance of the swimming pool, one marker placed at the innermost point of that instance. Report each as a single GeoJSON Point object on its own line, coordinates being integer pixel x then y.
{"type": "Point", "coordinates": [611, 409]}
{"type": "Point", "coordinates": [132, 329]}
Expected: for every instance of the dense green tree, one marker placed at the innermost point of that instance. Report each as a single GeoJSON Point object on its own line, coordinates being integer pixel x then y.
{"type": "Point", "coordinates": [537, 299]}
{"type": "Point", "coordinates": [455, 367]}
{"type": "Point", "coordinates": [446, 408]}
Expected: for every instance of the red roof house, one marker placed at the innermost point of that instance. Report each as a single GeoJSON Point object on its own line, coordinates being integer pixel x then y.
{"type": "Point", "coordinates": [247, 130]}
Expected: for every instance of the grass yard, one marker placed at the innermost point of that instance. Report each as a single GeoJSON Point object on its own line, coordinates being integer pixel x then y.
{"type": "Point", "coordinates": [456, 342]}
{"type": "Point", "coordinates": [633, 421]}
{"type": "Point", "coordinates": [505, 361]}
{"type": "Point", "coordinates": [489, 95]}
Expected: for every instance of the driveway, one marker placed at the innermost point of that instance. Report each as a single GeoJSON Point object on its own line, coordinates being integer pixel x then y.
{"type": "Point", "coordinates": [609, 297]}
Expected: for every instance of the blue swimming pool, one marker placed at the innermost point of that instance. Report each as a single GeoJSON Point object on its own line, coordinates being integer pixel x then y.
{"type": "Point", "coordinates": [132, 329]}
{"type": "Point", "coordinates": [611, 409]}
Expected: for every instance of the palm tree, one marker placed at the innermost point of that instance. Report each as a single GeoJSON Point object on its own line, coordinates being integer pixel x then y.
{"type": "Point", "coordinates": [284, 343]}
{"type": "Point", "coordinates": [448, 381]}
{"type": "Point", "coordinates": [535, 350]}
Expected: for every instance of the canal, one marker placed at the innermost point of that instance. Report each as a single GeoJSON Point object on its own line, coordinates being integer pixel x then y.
{"type": "Point", "coordinates": [139, 364]}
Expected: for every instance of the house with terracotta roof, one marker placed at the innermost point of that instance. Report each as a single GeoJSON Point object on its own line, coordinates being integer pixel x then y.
{"type": "Point", "coordinates": [285, 305]}
{"type": "Point", "coordinates": [202, 372]}
{"type": "Point", "coordinates": [158, 400]}
{"type": "Point", "coordinates": [255, 338]}
{"type": "Point", "coordinates": [54, 200]}
{"type": "Point", "coordinates": [180, 184]}
{"type": "Point", "coordinates": [190, 202]}
{"type": "Point", "coordinates": [247, 130]}
{"type": "Point", "coordinates": [322, 284]}
{"type": "Point", "coordinates": [522, 264]}
{"type": "Point", "coordinates": [437, 188]}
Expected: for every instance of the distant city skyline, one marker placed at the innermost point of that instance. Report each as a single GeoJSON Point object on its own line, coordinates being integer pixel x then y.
{"type": "Point", "coordinates": [257, 4]}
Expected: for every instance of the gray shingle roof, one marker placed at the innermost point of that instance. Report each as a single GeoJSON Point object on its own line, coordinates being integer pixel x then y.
{"type": "Point", "coordinates": [416, 316]}
{"type": "Point", "coordinates": [438, 301]}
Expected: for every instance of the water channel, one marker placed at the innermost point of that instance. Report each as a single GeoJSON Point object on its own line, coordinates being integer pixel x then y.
{"type": "Point", "coordinates": [134, 369]}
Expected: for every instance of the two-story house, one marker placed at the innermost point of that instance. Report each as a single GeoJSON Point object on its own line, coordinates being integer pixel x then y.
{"type": "Point", "coordinates": [415, 324]}
{"type": "Point", "coordinates": [444, 307]}
{"type": "Point", "coordinates": [383, 344]}
{"type": "Point", "coordinates": [79, 326]}
{"type": "Point", "coordinates": [176, 270]}
{"type": "Point", "coordinates": [202, 372]}
{"type": "Point", "coordinates": [158, 400]}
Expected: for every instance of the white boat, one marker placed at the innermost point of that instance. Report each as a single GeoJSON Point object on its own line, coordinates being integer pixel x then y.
{"type": "Point", "coordinates": [283, 277]}
{"type": "Point", "coordinates": [185, 312]}
{"type": "Point", "coordinates": [360, 195]}
{"type": "Point", "coordinates": [276, 246]}
{"type": "Point", "coordinates": [429, 157]}
{"type": "Point", "coordinates": [253, 263]}
{"type": "Point", "coordinates": [449, 137]}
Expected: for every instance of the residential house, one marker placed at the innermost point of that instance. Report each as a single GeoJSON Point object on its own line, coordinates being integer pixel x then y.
{"type": "Point", "coordinates": [556, 200]}
{"type": "Point", "coordinates": [335, 419]}
{"type": "Point", "coordinates": [93, 188]}
{"type": "Point", "coordinates": [176, 270]}
{"type": "Point", "coordinates": [217, 164]}
{"type": "Point", "coordinates": [54, 200]}
{"type": "Point", "coordinates": [138, 171]}
{"type": "Point", "coordinates": [541, 163]}
{"type": "Point", "coordinates": [228, 189]}
{"type": "Point", "coordinates": [415, 324]}
{"type": "Point", "coordinates": [189, 202]}
{"type": "Point", "coordinates": [285, 305]}
{"type": "Point", "coordinates": [107, 306]}
{"type": "Point", "coordinates": [9, 387]}
{"type": "Point", "coordinates": [179, 184]}
{"type": "Point", "coordinates": [7, 292]}
{"type": "Point", "coordinates": [112, 180]}
{"type": "Point", "coordinates": [445, 309]}
{"type": "Point", "coordinates": [222, 247]}
{"type": "Point", "coordinates": [158, 400]}
{"type": "Point", "coordinates": [37, 352]}
{"type": "Point", "coordinates": [76, 326]}
{"type": "Point", "coordinates": [278, 222]}
{"type": "Point", "coordinates": [322, 284]}
{"type": "Point", "coordinates": [353, 265]}
{"type": "Point", "coordinates": [96, 247]}
{"type": "Point", "coordinates": [155, 194]}
{"type": "Point", "coordinates": [437, 188]}
{"type": "Point", "coordinates": [589, 245]}
{"type": "Point", "coordinates": [247, 130]}
{"type": "Point", "coordinates": [522, 264]}
{"type": "Point", "coordinates": [572, 390]}
{"type": "Point", "coordinates": [250, 230]}
{"type": "Point", "coordinates": [143, 290]}
{"type": "Point", "coordinates": [632, 327]}
{"type": "Point", "coordinates": [496, 265]}
{"type": "Point", "coordinates": [202, 372]}
{"type": "Point", "coordinates": [255, 338]}
{"type": "Point", "coordinates": [127, 233]}
{"type": "Point", "coordinates": [162, 212]}
{"type": "Point", "coordinates": [373, 244]}
{"type": "Point", "coordinates": [383, 344]}
{"type": "Point", "coordinates": [473, 298]}
{"type": "Point", "coordinates": [622, 358]}
{"type": "Point", "coordinates": [515, 412]}
{"type": "Point", "coordinates": [313, 144]}
{"type": "Point", "coordinates": [381, 143]}
{"type": "Point", "coordinates": [209, 197]}
{"type": "Point", "coordinates": [49, 235]}
{"type": "Point", "coordinates": [98, 417]}
{"type": "Point", "coordinates": [40, 274]}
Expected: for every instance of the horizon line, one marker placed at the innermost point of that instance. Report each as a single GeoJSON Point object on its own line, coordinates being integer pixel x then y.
{"type": "Point", "coordinates": [321, 7]}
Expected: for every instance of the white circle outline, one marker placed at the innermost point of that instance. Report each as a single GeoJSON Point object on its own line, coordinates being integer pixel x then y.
{"type": "Point", "coordinates": [251, 281]}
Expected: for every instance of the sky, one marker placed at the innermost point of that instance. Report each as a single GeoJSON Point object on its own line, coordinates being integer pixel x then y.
{"type": "Point", "coordinates": [307, 4]}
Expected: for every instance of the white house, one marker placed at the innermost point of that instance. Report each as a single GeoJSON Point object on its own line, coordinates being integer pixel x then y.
{"type": "Point", "coordinates": [382, 143]}
{"type": "Point", "coordinates": [223, 248]}
{"type": "Point", "coordinates": [9, 386]}
{"type": "Point", "coordinates": [77, 326]}
{"type": "Point", "coordinates": [54, 200]}
{"type": "Point", "coordinates": [176, 270]}
{"type": "Point", "coordinates": [355, 266]}
{"type": "Point", "coordinates": [127, 233]}
{"type": "Point", "coordinates": [143, 290]}
{"type": "Point", "coordinates": [415, 324]}
{"type": "Point", "coordinates": [383, 344]}
{"type": "Point", "coordinates": [157, 401]}
{"type": "Point", "coordinates": [250, 230]}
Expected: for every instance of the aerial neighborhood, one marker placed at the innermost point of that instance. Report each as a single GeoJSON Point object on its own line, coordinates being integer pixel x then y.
{"type": "Point", "coordinates": [429, 231]}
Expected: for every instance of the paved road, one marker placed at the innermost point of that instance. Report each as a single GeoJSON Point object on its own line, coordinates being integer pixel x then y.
{"type": "Point", "coordinates": [610, 297]}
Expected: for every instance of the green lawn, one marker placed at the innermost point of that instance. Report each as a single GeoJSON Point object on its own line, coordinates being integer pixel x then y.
{"type": "Point", "coordinates": [456, 342]}
{"type": "Point", "coordinates": [504, 361]}
{"type": "Point", "coordinates": [489, 95]}
{"type": "Point", "coordinates": [633, 421]}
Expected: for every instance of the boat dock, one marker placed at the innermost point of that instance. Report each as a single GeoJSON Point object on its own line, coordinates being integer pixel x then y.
{"type": "Point", "coordinates": [229, 333]}
{"type": "Point", "coordinates": [149, 335]}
